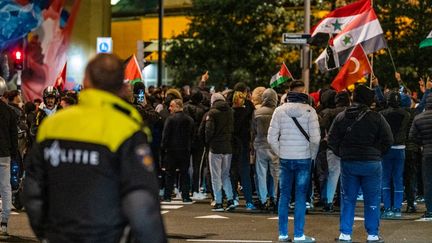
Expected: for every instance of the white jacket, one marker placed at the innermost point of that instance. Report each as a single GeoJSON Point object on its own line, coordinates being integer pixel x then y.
{"type": "Point", "coordinates": [286, 139]}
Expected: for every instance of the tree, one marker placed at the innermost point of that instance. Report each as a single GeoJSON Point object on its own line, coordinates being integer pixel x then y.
{"type": "Point", "coordinates": [236, 40]}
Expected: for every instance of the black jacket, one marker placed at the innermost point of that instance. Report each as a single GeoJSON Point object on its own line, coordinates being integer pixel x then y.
{"type": "Point", "coordinates": [369, 138]}
{"type": "Point", "coordinates": [91, 174]}
{"type": "Point", "coordinates": [219, 128]}
{"type": "Point", "coordinates": [421, 129]}
{"type": "Point", "coordinates": [196, 112]}
{"type": "Point", "coordinates": [243, 122]}
{"type": "Point", "coordinates": [8, 131]}
{"type": "Point", "coordinates": [398, 119]}
{"type": "Point", "coordinates": [178, 132]}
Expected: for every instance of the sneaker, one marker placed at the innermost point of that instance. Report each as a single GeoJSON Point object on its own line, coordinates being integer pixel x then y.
{"type": "Point", "coordinates": [420, 199]}
{"type": "Point", "coordinates": [187, 200]}
{"type": "Point", "coordinates": [328, 207]}
{"type": "Point", "coordinates": [284, 238]}
{"type": "Point", "coordinates": [304, 239]}
{"type": "Point", "coordinates": [344, 238]}
{"type": "Point", "coordinates": [199, 196]}
{"type": "Point", "coordinates": [397, 213]}
{"type": "Point", "coordinates": [387, 214]}
{"type": "Point", "coordinates": [411, 209]}
{"type": "Point", "coordinates": [3, 229]}
{"type": "Point", "coordinates": [212, 203]}
{"type": "Point", "coordinates": [374, 239]}
{"type": "Point", "coordinates": [230, 205]}
{"type": "Point", "coordinates": [236, 202]}
{"type": "Point", "coordinates": [427, 216]}
{"type": "Point", "coordinates": [218, 208]}
{"type": "Point", "coordinates": [250, 206]}
{"type": "Point", "coordinates": [292, 205]}
{"type": "Point", "coordinates": [309, 205]}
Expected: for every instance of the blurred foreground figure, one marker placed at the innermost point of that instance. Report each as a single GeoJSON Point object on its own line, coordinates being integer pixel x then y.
{"type": "Point", "coordinates": [91, 176]}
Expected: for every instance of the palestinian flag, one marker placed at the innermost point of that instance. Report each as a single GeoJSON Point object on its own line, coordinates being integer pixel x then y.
{"type": "Point", "coordinates": [132, 72]}
{"type": "Point", "coordinates": [427, 42]}
{"type": "Point", "coordinates": [281, 77]}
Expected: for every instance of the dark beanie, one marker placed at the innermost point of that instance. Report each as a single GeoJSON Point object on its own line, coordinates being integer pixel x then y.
{"type": "Point", "coordinates": [363, 95]}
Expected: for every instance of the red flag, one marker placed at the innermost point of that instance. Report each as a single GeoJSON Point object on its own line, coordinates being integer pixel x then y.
{"type": "Point", "coordinates": [354, 69]}
{"type": "Point", "coordinates": [337, 20]}
{"type": "Point", "coordinates": [132, 70]}
{"type": "Point", "coordinates": [61, 79]}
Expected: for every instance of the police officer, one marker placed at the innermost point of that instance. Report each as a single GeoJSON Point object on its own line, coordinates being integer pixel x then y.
{"type": "Point", "coordinates": [90, 177]}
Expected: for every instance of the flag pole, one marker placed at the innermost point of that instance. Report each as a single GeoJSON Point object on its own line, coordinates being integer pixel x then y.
{"type": "Point", "coordinates": [391, 58]}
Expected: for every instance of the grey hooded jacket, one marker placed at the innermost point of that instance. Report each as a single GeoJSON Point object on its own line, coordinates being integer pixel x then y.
{"type": "Point", "coordinates": [262, 117]}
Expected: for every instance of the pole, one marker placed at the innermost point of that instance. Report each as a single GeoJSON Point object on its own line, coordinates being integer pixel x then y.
{"type": "Point", "coordinates": [19, 81]}
{"type": "Point", "coordinates": [306, 48]}
{"type": "Point", "coordinates": [160, 43]}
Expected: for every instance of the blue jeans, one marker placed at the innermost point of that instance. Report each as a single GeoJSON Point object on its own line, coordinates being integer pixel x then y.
{"type": "Point", "coordinates": [333, 175]}
{"type": "Point", "coordinates": [367, 175]}
{"type": "Point", "coordinates": [293, 171]}
{"type": "Point", "coordinates": [5, 188]}
{"type": "Point", "coordinates": [266, 160]}
{"type": "Point", "coordinates": [393, 168]}
{"type": "Point", "coordinates": [220, 175]}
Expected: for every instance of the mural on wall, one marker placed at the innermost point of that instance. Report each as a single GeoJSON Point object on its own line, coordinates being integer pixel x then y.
{"type": "Point", "coordinates": [43, 28]}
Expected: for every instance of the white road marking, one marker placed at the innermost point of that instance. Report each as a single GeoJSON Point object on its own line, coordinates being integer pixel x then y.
{"type": "Point", "coordinates": [211, 217]}
{"type": "Point", "coordinates": [248, 241]}
{"type": "Point", "coordinates": [171, 206]}
{"type": "Point", "coordinates": [358, 218]}
{"type": "Point", "coordinates": [292, 218]}
{"type": "Point", "coordinates": [164, 212]}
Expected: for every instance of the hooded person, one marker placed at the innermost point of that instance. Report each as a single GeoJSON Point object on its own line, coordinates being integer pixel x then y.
{"type": "Point", "coordinates": [266, 158]}
{"type": "Point", "coordinates": [196, 111]}
{"type": "Point", "coordinates": [393, 161]}
{"type": "Point", "coordinates": [218, 134]}
{"type": "Point", "coordinates": [360, 137]}
{"type": "Point", "coordinates": [421, 133]}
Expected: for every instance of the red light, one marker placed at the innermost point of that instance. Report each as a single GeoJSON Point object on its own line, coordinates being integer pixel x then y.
{"type": "Point", "coordinates": [18, 55]}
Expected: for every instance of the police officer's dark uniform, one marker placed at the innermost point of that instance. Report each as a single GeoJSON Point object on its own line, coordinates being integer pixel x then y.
{"type": "Point", "coordinates": [91, 174]}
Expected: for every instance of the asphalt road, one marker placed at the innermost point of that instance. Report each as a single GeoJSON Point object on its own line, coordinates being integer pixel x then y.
{"type": "Point", "coordinates": [197, 223]}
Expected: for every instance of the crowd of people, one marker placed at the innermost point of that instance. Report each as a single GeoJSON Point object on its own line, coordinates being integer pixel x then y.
{"type": "Point", "coordinates": [292, 150]}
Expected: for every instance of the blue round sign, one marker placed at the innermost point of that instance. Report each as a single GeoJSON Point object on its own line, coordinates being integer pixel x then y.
{"type": "Point", "coordinates": [103, 47]}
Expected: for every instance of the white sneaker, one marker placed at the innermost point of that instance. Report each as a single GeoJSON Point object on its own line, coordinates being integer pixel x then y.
{"type": "Point", "coordinates": [236, 202]}
{"type": "Point", "coordinates": [199, 196]}
{"type": "Point", "coordinates": [213, 203]}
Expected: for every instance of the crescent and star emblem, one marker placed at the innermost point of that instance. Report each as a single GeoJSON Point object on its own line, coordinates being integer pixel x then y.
{"type": "Point", "coordinates": [357, 65]}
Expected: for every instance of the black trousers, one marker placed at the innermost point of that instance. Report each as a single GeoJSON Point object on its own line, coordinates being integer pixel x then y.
{"type": "Point", "coordinates": [412, 162]}
{"type": "Point", "coordinates": [427, 181]}
{"type": "Point", "coordinates": [177, 159]}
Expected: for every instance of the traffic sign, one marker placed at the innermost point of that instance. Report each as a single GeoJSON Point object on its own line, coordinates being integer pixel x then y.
{"type": "Point", "coordinates": [295, 38]}
{"type": "Point", "coordinates": [104, 45]}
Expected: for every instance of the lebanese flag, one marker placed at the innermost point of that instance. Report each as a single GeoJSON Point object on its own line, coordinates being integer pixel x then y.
{"type": "Point", "coordinates": [61, 79]}
{"type": "Point", "coordinates": [355, 68]}
{"type": "Point", "coordinates": [337, 20]}
{"type": "Point", "coordinates": [132, 70]}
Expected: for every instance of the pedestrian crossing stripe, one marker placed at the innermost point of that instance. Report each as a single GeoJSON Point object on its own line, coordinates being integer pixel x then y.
{"type": "Point", "coordinates": [211, 217]}
{"type": "Point", "coordinates": [292, 218]}
{"type": "Point", "coordinates": [423, 220]}
{"type": "Point", "coordinates": [164, 212]}
{"type": "Point", "coordinates": [177, 203]}
{"type": "Point", "coordinates": [358, 218]}
{"type": "Point", "coordinates": [171, 206]}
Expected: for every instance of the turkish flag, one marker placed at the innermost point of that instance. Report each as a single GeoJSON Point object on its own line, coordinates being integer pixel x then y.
{"type": "Point", "coordinates": [353, 70]}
